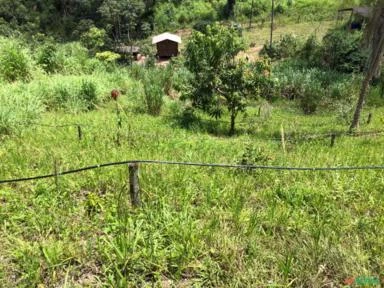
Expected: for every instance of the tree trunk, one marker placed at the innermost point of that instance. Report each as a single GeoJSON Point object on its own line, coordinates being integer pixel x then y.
{"type": "Point", "coordinates": [251, 15]}
{"type": "Point", "coordinates": [360, 103]}
{"type": "Point", "coordinates": [233, 120]}
{"type": "Point", "coordinates": [376, 38]}
{"type": "Point", "coordinates": [272, 23]}
{"type": "Point", "coordinates": [229, 9]}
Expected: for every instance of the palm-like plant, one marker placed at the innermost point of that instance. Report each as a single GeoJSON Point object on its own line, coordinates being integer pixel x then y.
{"type": "Point", "coordinates": [375, 37]}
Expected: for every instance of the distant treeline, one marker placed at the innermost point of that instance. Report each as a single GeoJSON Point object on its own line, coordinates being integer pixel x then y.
{"type": "Point", "coordinates": [126, 20]}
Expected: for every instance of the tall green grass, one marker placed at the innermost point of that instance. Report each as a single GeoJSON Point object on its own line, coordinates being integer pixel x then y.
{"type": "Point", "coordinates": [199, 227]}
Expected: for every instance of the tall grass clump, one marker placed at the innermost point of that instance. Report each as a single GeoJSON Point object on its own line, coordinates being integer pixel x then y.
{"type": "Point", "coordinates": [47, 58]}
{"type": "Point", "coordinates": [73, 58]}
{"type": "Point", "coordinates": [153, 92]}
{"type": "Point", "coordinates": [15, 64]}
{"type": "Point", "coordinates": [18, 109]}
{"type": "Point", "coordinates": [313, 87]}
{"type": "Point", "coordinates": [88, 93]}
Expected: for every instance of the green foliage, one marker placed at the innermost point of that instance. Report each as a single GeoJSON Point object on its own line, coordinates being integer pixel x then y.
{"type": "Point", "coordinates": [153, 91]}
{"type": "Point", "coordinates": [170, 16]}
{"type": "Point", "coordinates": [15, 64]}
{"type": "Point", "coordinates": [342, 51]}
{"type": "Point", "coordinates": [122, 17]}
{"type": "Point", "coordinates": [88, 93]}
{"type": "Point", "coordinates": [18, 109]}
{"type": "Point", "coordinates": [205, 56]}
{"type": "Point", "coordinates": [94, 39]}
{"type": "Point", "coordinates": [218, 79]}
{"type": "Point", "coordinates": [108, 56]}
{"type": "Point", "coordinates": [313, 87]}
{"type": "Point", "coordinates": [288, 46]}
{"type": "Point", "coordinates": [53, 231]}
{"type": "Point", "coordinates": [73, 58]}
{"type": "Point", "coordinates": [47, 58]}
{"type": "Point", "coordinates": [310, 51]}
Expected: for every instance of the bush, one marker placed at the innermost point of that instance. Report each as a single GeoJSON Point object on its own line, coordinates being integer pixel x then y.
{"type": "Point", "coordinates": [342, 51]}
{"type": "Point", "coordinates": [73, 58]}
{"type": "Point", "coordinates": [311, 50]}
{"type": "Point", "coordinates": [15, 63]}
{"type": "Point", "coordinates": [94, 38]}
{"type": "Point", "coordinates": [288, 46]}
{"type": "Point", "coordinates": [108, 56]}
{"type": "Point", "coordinates": [88, 93]}
{"type": "Point", "coordinates": [313, 87]}
{"type": "Point", "coordinates": [47, 58]}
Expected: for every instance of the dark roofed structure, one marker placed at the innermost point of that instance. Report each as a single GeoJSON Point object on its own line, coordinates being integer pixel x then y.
{"type": "Point", "coordinates": [167, 45]}
{"type": "Point", "coordinates": [128, 50]}
{"type": "Point", "coordinates": [365, 12]}
{"type": "Point", "coordinates": [359, 16]}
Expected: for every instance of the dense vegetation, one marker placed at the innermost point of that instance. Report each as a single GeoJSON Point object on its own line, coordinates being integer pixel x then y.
{"type": "Point", "coordinates": [68, 101]}
{"type": "Point", "coordinates": [126, 20]}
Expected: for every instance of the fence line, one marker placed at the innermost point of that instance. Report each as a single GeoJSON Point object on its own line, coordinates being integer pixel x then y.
{"type": "Point", "coordinates": [217, 165]}
{"type": "Point", "coordinates": [289, 136]}
{"type": "Point", "coordinates": [134, 188]}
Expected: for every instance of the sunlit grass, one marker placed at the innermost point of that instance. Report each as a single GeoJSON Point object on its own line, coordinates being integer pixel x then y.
{"type": "Point", "coordinates": [198, 226]}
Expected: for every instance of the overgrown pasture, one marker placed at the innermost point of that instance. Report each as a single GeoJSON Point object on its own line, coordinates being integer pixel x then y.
{"type": "Point", "coordinates": [197, 227]}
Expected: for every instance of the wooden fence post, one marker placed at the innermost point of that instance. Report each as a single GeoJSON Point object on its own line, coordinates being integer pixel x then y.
{"type": "Point", "coordinates": [333, 139]}
{"type": "Point", "coordinates": [369, 118]}
{"type": "Point", "coordinates": [56, 175]}
{"type": "Point", "coordinates": [134, 188]}
{"type": "Point", "coordinates": [283, 139]}
{"type": "Point", "coordinates": [79, 132]}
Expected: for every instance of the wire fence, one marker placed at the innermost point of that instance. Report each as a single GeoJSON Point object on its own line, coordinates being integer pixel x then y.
{"type": "Point", "coordinates": [196, 164]}
{"type": "Point", "coordinates": [288, 136]}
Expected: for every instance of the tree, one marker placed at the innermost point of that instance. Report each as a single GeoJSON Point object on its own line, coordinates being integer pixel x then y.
{"type": "Point", "coordinates": [219, 80]}
{"type": "Point", "coordinates": [122, 17]}
{"type": "Point", "coordinates": [375, 36]}
{"type": "Point", "coordinates": [93, 39]}
{"type": "Point", "coordinates": [229, 9]}
{"type": "Point", "coordinates": [236, 83]}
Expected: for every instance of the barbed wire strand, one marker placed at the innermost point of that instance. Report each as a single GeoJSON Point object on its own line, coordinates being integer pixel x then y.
{"type": "Point", "coordinates": [159, 162]}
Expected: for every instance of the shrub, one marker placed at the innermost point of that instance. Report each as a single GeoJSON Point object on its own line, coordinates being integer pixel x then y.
{"type": "Point", "coordinates": [47, 58]}
{"type": "Point", "coordinates": [342, 51]}
{"type": "Point", "coordinates": [137, 72]}
{"type": "Point", "coordinates": [313, 87]}
{"type": "Point", "coordinates": [311, 50]}
{"type": "Point", "coordinates": [94, 38]}
{"type": "Point", "coordinates": [88, 93]}
{"type": "Point", "coordinates": [288, 46]}
{"type": "Point", "coordinates": [108, 56]}
{"type": "Point", "coordinates": [73, 58]}
{"type": "Point", "coordinates": [14, 61]}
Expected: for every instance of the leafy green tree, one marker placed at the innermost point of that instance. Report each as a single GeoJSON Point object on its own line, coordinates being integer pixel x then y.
{"type": "Point", "coordinates": [122, 17]}
{"type": "Point", "coordinates": [205, 55]}
{"type": "Point", "coordinates": [236, 82]}
{"type": "Point", "coordinates": [219, 81]}
{"type": "Point", "coordinates": [94, 39]}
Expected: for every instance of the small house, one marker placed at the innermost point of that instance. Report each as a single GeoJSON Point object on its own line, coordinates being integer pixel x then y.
{"type": "Point", "coordinates": [167, 45]}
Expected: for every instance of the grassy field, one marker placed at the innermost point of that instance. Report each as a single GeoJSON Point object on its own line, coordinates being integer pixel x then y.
{"type": "Point", "coordinates": [200, 227]}
{"type": "Point", "coordinates": [259, 35]}
{"type": "Point", "coordinates": [256, 36]}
